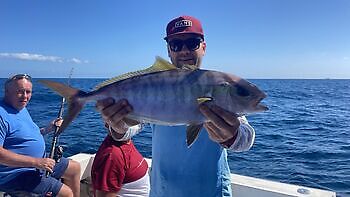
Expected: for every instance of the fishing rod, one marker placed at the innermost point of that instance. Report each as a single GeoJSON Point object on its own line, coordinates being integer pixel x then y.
{"type": "Point", "coordinates": [57, 151]}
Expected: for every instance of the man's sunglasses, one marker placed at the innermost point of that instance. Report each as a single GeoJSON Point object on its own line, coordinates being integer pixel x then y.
{"type": "Point", "coordinates": [18, 77]}
{"type": "Point", "coordinates": [192, 44]}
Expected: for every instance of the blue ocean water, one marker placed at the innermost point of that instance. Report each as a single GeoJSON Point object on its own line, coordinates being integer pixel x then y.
{"type": "Point", "coordinates": [303, 139]}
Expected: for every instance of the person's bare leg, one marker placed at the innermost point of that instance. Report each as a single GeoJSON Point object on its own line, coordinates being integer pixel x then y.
{"type": "Point", "coordinates": [71, 177]}
{"type": "Point", "coordinates": [65, 191]}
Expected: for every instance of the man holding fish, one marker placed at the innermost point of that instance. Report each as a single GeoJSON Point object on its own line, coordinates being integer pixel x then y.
{"type": "Point", "coordinates": [178, 99]}
{"type": "Point", "coordinates": [201, 169]}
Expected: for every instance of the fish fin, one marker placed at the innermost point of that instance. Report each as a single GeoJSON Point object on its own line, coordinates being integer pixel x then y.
{"type": "Point", "coordinates": [72, 96]}
{"type": "Point", "coordinates": [60, 88]}
{"type": "Point", "coordinates": [73, 110]}
{"type": "Point", "coordinates": [201, 100]}
{"type": "Point", "coordinates": [192, 132]}
{"type": "Point", "coordinates": [159, 65]}
{"type": "Point", "coordinates": [190, 67]}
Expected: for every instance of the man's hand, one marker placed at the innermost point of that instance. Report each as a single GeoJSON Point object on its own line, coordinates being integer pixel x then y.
{"type": "Point", "coordinates": [58, 122]}
{"type": "Point", "coordinates": [222, 125]}
{"type": "Point", "coordinates": [45, 164]}
{"type": "Point", "coordinates": [114, 112]}
{"type": "Point", "coordinates": [50, 127]}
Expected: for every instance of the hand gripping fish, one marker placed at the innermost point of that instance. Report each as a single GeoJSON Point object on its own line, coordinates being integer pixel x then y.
{"type": "Point", "coordinates": [164, 94]}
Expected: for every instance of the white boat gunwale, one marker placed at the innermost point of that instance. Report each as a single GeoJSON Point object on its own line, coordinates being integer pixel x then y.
{"type": "Point", "coordinates": [241, 185]}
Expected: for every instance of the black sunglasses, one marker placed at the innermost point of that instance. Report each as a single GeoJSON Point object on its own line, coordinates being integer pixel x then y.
{"type": "Point", "coordinates": [18, 77]}
{"type": "Point", "coordinates": [192, 44]}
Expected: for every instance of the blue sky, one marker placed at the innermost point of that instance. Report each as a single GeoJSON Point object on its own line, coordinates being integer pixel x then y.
{"type": "Point", "coordinates": [249, 38]}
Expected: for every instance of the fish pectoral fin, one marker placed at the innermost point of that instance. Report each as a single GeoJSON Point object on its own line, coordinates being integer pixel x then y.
{"type": "Point", "coordinates": [131, 122]}
{"type": "Point", "coordinates": [192, 132]}
{"type": "Point", "coordinates": [201, 100]}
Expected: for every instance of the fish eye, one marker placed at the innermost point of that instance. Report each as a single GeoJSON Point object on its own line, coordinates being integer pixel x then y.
{"type": "Point", "coordinates": [241, 91]}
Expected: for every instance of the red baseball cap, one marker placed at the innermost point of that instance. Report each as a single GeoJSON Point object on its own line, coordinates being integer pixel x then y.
{"type": "Point", "coordinates": [184, 25]}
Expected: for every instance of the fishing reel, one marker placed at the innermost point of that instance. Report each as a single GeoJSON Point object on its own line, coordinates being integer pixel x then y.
{"type": "Point", "coordinates": [58, 153]}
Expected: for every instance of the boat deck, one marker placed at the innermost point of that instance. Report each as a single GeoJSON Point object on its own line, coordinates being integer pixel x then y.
{"type": "Point", "coordinates": [242, 186]}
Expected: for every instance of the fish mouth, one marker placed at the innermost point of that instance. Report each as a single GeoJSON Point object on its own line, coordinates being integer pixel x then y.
{"type": "Point", "coordinates": [260, 106]}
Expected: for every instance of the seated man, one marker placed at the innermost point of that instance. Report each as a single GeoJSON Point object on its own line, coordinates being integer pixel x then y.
{"type": "Point", "coordinates": [22, 148]}
{"type": "Point", "coordinates": [119, 169]}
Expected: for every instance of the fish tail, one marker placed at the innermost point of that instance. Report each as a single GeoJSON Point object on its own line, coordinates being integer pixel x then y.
{"type": "Point", "coordinates": [73, 97]}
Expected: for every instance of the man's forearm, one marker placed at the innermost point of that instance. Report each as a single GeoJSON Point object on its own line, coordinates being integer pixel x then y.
{"type": "Point", "coordinates": [9, 158]}
{"type": "Point", "coordinates": [244, 139]}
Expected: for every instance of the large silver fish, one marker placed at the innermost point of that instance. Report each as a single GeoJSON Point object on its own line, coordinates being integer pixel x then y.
{"type": "Point", "coordinates": [163, 94]}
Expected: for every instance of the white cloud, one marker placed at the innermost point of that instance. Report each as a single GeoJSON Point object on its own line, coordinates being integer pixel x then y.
{"type": "Point", "coordinates": [39, 57]}
{"type": "Point", "coordinates": [78, 61]}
